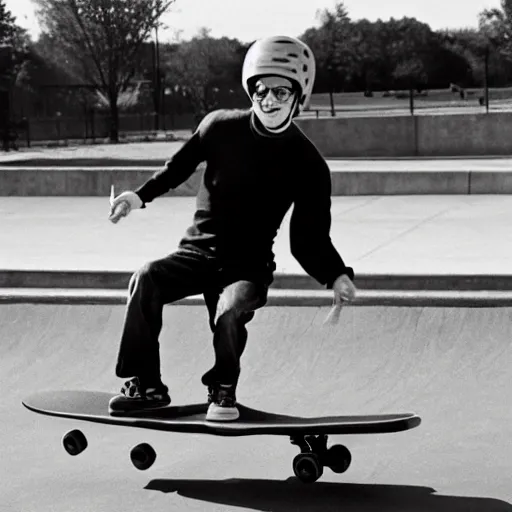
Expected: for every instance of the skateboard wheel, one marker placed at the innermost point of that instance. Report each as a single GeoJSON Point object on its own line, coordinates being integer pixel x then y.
{"type": "Point", "coordinates": [307, 467]}
{"type": "Point", "coordinates": [338, 458]}
{"type": "Point", "coordinates": [143, 456]}
{"type": "Point", "coordinates": [74, 442]}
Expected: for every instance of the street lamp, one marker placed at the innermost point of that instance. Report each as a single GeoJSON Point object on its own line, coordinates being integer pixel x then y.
{"type": "Point", "coordinates": [486, 79]}
{"type": "Point", "coordinates": [492, 42]}
{"type": "Point", "coordinates": [6, 52]}
{"type": "Point", "coordinates": [331, 89]}
{"type": "Point", "coordinates": [157, 80]}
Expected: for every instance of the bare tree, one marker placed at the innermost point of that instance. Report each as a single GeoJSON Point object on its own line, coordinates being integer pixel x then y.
{"type": "Point", "coordinates": [98, 41]}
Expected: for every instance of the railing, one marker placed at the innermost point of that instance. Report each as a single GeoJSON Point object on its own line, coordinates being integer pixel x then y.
{"type": "Point", "coordinates": [403, 105]}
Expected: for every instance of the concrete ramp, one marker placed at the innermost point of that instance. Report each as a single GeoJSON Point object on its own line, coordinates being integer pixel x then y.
{"type": "Point", "coordinates": [452, 366]}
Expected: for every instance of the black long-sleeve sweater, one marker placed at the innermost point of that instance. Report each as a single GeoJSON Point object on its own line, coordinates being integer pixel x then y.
{"type": "Point", "coordinates": [249, 184]}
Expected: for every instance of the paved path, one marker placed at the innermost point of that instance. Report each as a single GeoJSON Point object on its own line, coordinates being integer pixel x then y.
{"type": "Point", "coordinates": [383, 235]}
{"type": "Point", "coordinates": [496, 164]}
{"type": "Point", "coordinates": [155, 153]}
{"type": "Point", "coordinates": [451, 365]}
{"type": "Point", "coordinates": [134, 151]}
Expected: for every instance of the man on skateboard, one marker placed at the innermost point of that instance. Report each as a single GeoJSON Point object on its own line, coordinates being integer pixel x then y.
{"type": "Point", "coordinates": [258, 165]}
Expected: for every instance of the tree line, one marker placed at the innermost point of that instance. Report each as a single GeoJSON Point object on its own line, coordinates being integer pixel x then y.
{"type": "Point", "coordinates": [103, 54]}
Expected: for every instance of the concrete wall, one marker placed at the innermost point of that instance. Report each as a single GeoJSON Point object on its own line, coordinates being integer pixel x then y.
{"type": "Point", "coordinates": [361, 136]}
{"type": "Point", "coordinates": [48, 181]}
{"type": "Point", "coordinates": [469, 134]}
{"type": "Point", "coordinates": [82, 181]}
{"type": "Point", "coordinates": [421, 135]}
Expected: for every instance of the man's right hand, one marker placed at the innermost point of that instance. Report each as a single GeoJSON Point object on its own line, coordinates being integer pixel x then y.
{"type": "Point", "coordinates": [123, 204]}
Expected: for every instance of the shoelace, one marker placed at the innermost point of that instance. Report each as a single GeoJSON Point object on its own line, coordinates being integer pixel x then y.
{"type": "Point", "coordinates": [134, 390]}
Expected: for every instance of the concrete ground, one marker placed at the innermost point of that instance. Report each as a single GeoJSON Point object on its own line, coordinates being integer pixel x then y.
{"type": "Point", "coordinates": [376, 235]}
{"type": "Point", "coordinates": [101, 153]}
{"type": "Point", "coordinates": [451, 365]}
{"type": "Point", "coordinates": [155, 154]}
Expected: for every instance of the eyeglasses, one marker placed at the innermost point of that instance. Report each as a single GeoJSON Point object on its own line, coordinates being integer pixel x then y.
{"type": "Point", "coordinates": [281, 93]}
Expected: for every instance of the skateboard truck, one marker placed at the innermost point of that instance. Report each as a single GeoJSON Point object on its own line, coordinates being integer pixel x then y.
{"type": "Point", "coordinates": [308, 465]}
{"type": "Point", "coordinates": [310, 443]}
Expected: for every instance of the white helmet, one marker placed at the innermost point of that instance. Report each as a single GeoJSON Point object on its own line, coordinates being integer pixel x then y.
{"type": "Point", "coordinates": [283, 56]}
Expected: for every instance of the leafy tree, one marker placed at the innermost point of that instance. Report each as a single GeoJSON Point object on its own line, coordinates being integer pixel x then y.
{"type": "Point", "coordinates": [333, 45]}
{"type": "Point", "coordinates": [206, 71]}
{"type": "Point", "coordinates": [370, 62]}
{"type": "Point", "coordinates": [448, 63]}
{"type": "Point", "coordinates": [471, 46]}
{"type": "Point", "coordinates": [13, 47]}
{"type": "Point", "coordinates": [410, 73]}
{"type": "Point", "coordinates": [37, 91]}
{"type": "Point", "coordinates": [495, 25]}
{"type": "Point", "coordinates": [495, 40]}
{"type": "Point", "coordinates": [409, 45]}
{"type": "Point", "coordinates": [383, 55]}
{"type": "Point", "coordinates": [7, 24]}
{"type": "Point", "coordinates": [98, 41]}
{"type": "Point", "coordinates": [367, 55]}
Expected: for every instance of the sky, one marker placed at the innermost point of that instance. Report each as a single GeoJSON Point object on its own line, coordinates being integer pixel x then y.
{"type": "Point", "coordinates": [247, 20]}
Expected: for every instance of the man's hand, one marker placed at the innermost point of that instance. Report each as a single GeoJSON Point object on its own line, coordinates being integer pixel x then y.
{"type": "Point", "coordinates": [344, 291]}
{"type": "Point", "coordinates": [123, 204]}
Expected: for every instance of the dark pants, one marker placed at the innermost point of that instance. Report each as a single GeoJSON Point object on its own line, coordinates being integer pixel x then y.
{"type": "Point", "coordinates": [231, 297]}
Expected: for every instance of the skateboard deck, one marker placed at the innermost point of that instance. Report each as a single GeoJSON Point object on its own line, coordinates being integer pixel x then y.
{"type": "Point", "coordinates": [93, 406]}
{"type": "Point", "coordinates": [309, 434]}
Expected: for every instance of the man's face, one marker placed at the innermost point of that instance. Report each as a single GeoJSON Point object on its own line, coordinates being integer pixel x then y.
{"type": "Point", "coordinates": [273, 101]}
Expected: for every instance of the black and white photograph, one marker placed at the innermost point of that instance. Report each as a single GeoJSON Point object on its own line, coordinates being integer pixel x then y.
{"type": "Point", "coordinates": [255, 255]}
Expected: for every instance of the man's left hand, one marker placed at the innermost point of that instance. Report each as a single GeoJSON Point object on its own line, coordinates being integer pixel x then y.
{"type": "Point", "coordinates": [344, 290]}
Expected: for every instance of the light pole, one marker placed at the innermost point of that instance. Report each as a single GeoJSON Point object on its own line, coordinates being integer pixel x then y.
{"type": "Point", "coordinates": [6, 57]}
{"type": "Point", "coordinates": [486, 79]}
{"type": "Point", "coordinates": [331, 89]}
{"type": "Point", "coordinates": [157, 80]}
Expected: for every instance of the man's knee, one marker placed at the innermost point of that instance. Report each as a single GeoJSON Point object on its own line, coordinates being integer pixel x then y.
{"type": "Point", "coordinates": [241, 298]}
{"type": "Point", "coordinates": [144, 275]}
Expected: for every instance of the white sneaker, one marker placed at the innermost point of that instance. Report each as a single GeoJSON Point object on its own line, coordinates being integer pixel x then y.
{"type": "Point", "coordinates": [222, 404]}
{"type": "Point", "coordinates": [218, 412]}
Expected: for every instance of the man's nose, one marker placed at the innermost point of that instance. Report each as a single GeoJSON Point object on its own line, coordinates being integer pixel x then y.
{"type": "Point", "coordinates": [269, 98]}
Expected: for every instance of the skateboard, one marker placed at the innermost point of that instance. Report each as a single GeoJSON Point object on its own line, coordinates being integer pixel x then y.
{"type": "Point", "coordinates": [309, 434]}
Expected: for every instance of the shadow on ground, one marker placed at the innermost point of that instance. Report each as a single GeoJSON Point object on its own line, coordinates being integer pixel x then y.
{"type": "Point", "coordinates": [285, 496]}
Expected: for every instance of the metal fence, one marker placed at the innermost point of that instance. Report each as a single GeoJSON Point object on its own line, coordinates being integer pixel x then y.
{"type": "Point", "coordinates": [453, 100]}
{"type": "Point", "coordinates": [89, 129]}
{"type": "Point", "coordinates": [91, 126]}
